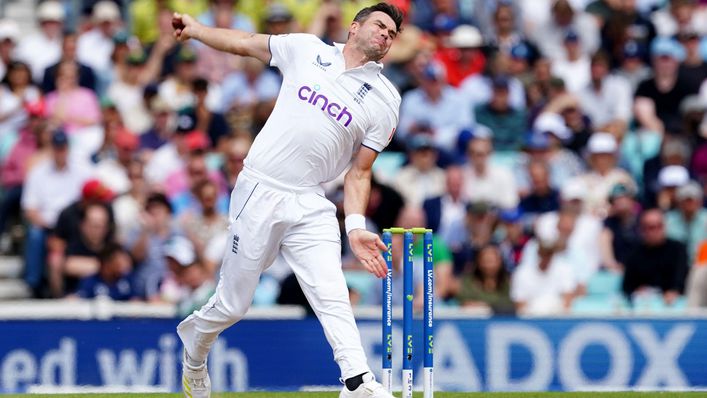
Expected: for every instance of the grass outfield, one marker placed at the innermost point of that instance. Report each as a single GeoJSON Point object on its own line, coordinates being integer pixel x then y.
{"type": "Point", "coordinates": [417, 395]}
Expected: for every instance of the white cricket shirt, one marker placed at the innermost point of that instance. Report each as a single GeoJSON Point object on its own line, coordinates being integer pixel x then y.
{"type": "Point", "coordinates": [323, 113]}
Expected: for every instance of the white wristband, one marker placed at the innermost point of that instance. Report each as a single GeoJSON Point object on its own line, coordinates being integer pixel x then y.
{"type": "Point", "coordinates": [354, 221]}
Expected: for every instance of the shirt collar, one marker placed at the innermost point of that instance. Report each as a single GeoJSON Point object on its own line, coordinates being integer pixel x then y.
{"type": "Point", "coordinates": [371, 66]}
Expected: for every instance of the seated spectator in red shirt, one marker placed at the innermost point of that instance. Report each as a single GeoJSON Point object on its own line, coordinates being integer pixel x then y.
{"type": "Point", "coordinates": [113, 279]}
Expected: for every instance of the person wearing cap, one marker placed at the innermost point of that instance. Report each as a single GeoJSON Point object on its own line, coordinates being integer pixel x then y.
{"type": "Point", "coordinates": [96, 45]}
{"type": "Point", "coordinates": [515, 235]}
{"type": "Point", "coordinates": [688, 222]}
{"type": "Point", "coordinates": [43, 49]}
{"type": "Point", "coordinates": [620, 232]}
{"type": "Point", "coordinates": [486, 181]}
{"type": "Point", "coordinates": [87, 76]}
{"type": "Point", "coordinates": [607, 97]}
{"type": "Point", "coordinates": [278, 19]}
{"type": "Point", "coordinates": [506, 123]}
{"type": "Point", "coordinates": [657, 262]}
{"type": "Point", "coordinates": [670, 178]}
{"type": "Point", "coordinates": [435, 106]}
{"type": "Point", "coordinates": [674, 151]}
{"type": "Point", "coordinates": [421, 179]}
{"type": "Point", "coordinates": [603, 173]}
{"type": "Point", "coordinates": [564, 164]}
{"type": "Point", "coordinates": [186, 275]}
{"type": "Point", "coordinates": [693, 68]}
{"type": "Point", "coordinates": [633, 64]}
{"type": "Point", "coordinates": [478, 88]}
{"type": "Point", "coordinates": [550, 36]}
{"type": "Point", "coordinates": [574, 67]}
{"type": "Point", "coordinates": [461, 54]}
{"type": "Point", "coordinates": [657, 99]}
{"type": "Point", "coordinates": [50, 186]}
{"type": "Point", "coordinates": [9, 37]}
{"type": "Point", "coordinates": [171, 157]}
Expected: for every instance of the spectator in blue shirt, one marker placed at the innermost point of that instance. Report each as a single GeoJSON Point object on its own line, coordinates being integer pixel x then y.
{"type": "Point", "coordinates": [114, 279]}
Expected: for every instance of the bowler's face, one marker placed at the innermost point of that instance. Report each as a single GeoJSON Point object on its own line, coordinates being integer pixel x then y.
{"type": "Point", "coordinates": [375, 35]}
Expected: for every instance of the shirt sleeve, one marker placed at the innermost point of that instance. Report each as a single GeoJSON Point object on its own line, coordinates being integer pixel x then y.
{"type": "Point", "coordinates": [286, 49]}
{"type": "Point", "coordinates": [381, 133]}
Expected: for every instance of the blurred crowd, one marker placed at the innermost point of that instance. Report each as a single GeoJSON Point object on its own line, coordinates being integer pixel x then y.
{"type": "Point", "coordinates": [558, 149]}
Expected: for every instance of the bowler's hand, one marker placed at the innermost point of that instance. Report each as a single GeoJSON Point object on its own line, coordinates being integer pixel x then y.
{"type": "Point", "coordinates": [367, 247]}
{"type": "Point", "coordinates": [184, 26]}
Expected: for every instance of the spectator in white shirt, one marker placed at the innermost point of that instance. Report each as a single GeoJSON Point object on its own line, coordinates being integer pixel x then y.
{"type": "Point", "coordinates": [422, 178]}
{"type": "Point", "coordinates": [485, 181]}
{"type": "Point", "coordinates": [50, 187]}
{"type": "Point", "coordinates": [549, 35]}
{"type": "Point", "coordinates": [95, 47]}
{"type": "Point", "coordinates": [43, 49]}
{"type": "Point", "coordinates": [573, 68]}
{"type": "Point", "coordinates": [607, 98]}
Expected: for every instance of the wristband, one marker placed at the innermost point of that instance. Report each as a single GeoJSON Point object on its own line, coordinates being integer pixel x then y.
{"type": "Point", "coordinates": [354, 221]}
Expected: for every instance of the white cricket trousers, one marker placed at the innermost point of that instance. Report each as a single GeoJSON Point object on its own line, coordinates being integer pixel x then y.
{"type": "Point", "coordinates": [268, 221]}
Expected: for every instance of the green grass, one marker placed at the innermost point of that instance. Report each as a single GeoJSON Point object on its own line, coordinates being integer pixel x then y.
{"type": "Point", "coordinates": [417, 395]}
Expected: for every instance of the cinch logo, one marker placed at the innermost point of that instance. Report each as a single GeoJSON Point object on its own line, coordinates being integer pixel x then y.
{"type": "Point", "coordinates": [313, 97]}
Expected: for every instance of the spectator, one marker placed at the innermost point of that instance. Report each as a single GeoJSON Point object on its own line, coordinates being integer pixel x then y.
{"type": "Point", "coordinates": [670, 179]}
{"type": "Point", "coordinates": [15, 167]}
{"type": "Point", "coordinates": [485, 181]}
{"type": "Point", "coordinates": [678, 16]}
{"type": "Point", "coordinates": [470, 233]}
{"type": "Point", "coordinates": [603, 173]}
{"type": "Point", "coordinates": [421, 179]}
{"type": "Point", "coordinates": [442, 211]}
{"type": "Point", "coordinates": [657, 99]}
{"type": "Point", "coordinates": [146, 245]}
{"type": "Point", "coordinates": [51, 185]}
{"type": "Point", "coordinates": [697, 280]}
{"type": "Point", "coordinates": [607, 98]}
{"type": "Point", "coordinates": [9, 37]}
{"type": "Point", "coordinates": [170, 157]}
{"type": "Point", "coordinates": [674, 151]}
{"type": "Point", "coordinates": [434, 107]}
{"type": "Point", "coordinates": [573, 68]}
{"type": "Point", "coordinates": [83, 249]}
{"type": "Point", "coordinates": [111, 167]}
{"type": "Point", "coordinates": [71, 106]}
{"type": "Point", "coordinates": [236, 150]}
{"type": "Point", "coordinates": [693, 68]}
{"type": "Point", "coordinates": [507, 123]}
{"type": "Point", "coordinates": [513, 237]}
{"type": "Point", "coordinates": [542, 196]}
{"type": "Point", "coordinates": [206, 222]}
{"type": "Point", "coordinates": [477, 89]}
{"type": "Point", "coordinates": [186, 283]}
{"type": "Point", "coordinates": [114, 278]}
{"type": "Point", "coordinates": [487, 284]}
{"type": "Point", "coordinates": [278, 20]}
{"type": "Point", "coordinates": [632, 67]}
{"type": "Point", "coordinates": [620, 234]}
{"type": "Point", "coordinates": [543, 283]}
{"type": "Point", "coordinates": [563, 163]}
{"type": "Point", "coordinates": [327, 24]}
{"type": "Point", "coordinates": [128, 207]}
{"type": "Point", "coordinates": [688, 222]}
{"type": "Point", "coordinates": [462, 54]}
{"type": "Point", "coordinates": [549, 36]}
{"type": "Point", "coordinates": [162, 126]}
{"type": "Point", "coordinates": [87, 77]}
{"type": "Point", "coordinates": [212, 122]}
{"type": "Point", "coordinates": [16, 91]}
{"type": "Point", "coordinates": [658, 261]}
{"type": "Point", "coordinates": [219, 8]}
{"type": "Point", "coordinates": [246, 90]}
{"type": "Point", "coordinates": [96, 45]}
{"type": "Point", "coordinates": [626, 24]}
{"type": "Point", "coordinates": [42, 49]}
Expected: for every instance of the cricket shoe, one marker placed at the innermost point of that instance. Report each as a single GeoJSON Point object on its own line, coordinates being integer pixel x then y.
{"type": "Point", "coordinates": [195, 381]}
{"type": "Point", "coordinates": [370, 388]}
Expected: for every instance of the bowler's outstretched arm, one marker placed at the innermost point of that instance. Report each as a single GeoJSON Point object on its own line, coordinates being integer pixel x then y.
{"type": "Point", "coordinates": [233, 41]}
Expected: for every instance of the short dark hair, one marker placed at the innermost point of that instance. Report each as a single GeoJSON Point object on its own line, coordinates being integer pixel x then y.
{"type": "Point", "coordinates": [392, 11]}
